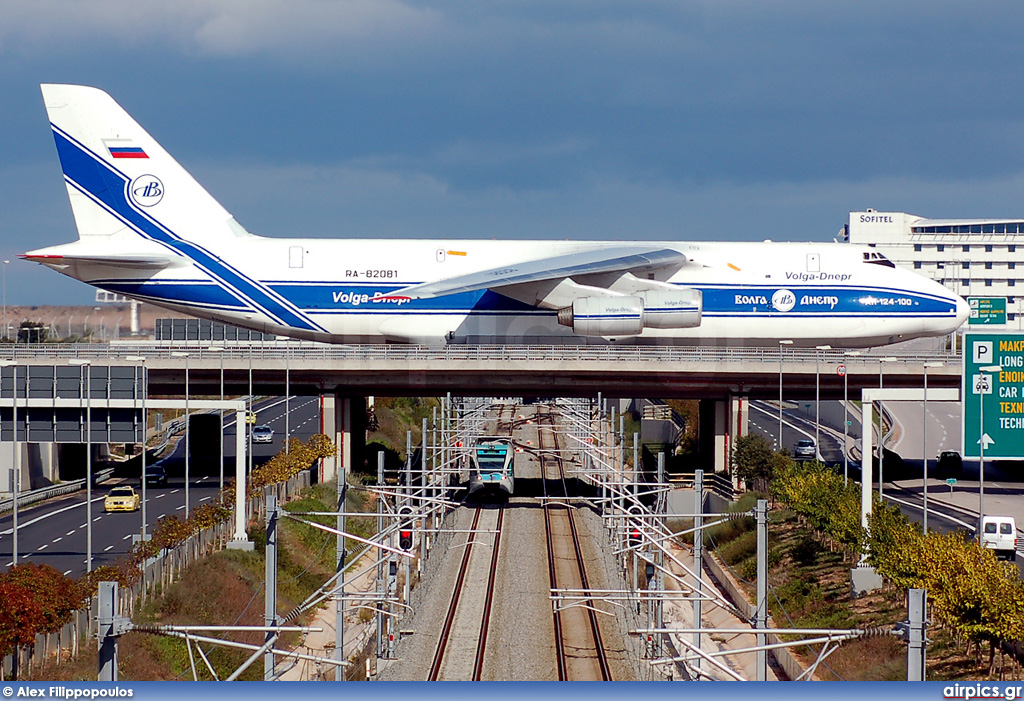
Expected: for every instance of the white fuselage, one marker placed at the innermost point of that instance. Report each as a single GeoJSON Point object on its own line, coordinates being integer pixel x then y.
{"type": "Point", "coordinates": [753, 293]}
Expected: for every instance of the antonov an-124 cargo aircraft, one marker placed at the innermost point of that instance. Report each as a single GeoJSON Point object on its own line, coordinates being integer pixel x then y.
{"type": "Point", "coordinates": [148, 230]}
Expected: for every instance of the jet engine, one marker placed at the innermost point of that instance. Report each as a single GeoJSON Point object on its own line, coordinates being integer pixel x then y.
{"type": "Point", "coordinates": [628, 316]}
{"type": "Point", "coordinates": [672, 309]}
{"type": "Point", "coordinates": [604, 316]}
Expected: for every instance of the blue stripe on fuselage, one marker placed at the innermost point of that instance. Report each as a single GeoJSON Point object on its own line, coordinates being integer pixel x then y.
{"type": "Point", "coordinates": [99, 180]}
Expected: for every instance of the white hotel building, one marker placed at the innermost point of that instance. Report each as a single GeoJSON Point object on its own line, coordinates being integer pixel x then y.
{"type": "Point", "coordinates": [972, 257]}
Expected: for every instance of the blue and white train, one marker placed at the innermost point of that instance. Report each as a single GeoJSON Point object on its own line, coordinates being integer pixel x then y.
{"type": "Point", "coordinates": [492, 469]}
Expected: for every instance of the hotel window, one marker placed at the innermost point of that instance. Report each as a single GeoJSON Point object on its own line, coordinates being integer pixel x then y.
{"type": "Point", "coordinates": [988, 283]}
{"type": "Point", "coordinates": [1011, 249]}
{"type": "Point", "coordinates": [940, 248]}
{"type": "Point", "coordinates": [1011, 283]}
{"type": "Point", "coordinates": [917, 265]}
{"type": "Point", "coordinates": [965, 282]}
{"type": "Point", "coordinates": [966, 264]}
{"type": "Point", "coordinates": [966, 248]}
{"type": "Point", "coordinates": [988, 266]}
{"type": "Point", "coordinates": [1011, 265]}
{"type": "Point", "coordinates": [917, 247]}
{"type": "Point", "coordinates": [988, 248]}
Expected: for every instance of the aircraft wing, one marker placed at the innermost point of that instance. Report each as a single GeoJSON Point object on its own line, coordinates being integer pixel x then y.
{"type": "Point", "coordinates": [604, 260]}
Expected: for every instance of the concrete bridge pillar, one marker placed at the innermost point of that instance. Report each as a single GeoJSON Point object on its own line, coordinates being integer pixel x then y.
{"type": "Point", "coordinates": [721, 423]}
{"type": "Point", "coordinates": [345, 423]}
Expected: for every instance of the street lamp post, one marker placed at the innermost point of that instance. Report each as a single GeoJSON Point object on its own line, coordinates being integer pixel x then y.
{"type": "Point", "coordinates": [220, 351]}
{"type": "Point", "coordinates": [846, 420]}
{"type": "Point", "coordinates": [817, 399]}
{"type": "Point", "coordinates": [981, 441]}
{"type": "Point", "coordinates": [924, 442]}
{"type": "Point", "coordinates": [179, 354]}
{"type": "Point", "coordinates": [881, 427]}
{"type": "Point", "coordinates": [87, 365]}
{"type": "Point", "coordinates": [287, 394]}
{"type": "Point", "coordinates": [781, 345]}
{"type": "Point", "coordinates": [15, 456]}
{"type": "Point", "coordinates": [145, 428]}
{"type": "Point", "coordinates": [6, 335]}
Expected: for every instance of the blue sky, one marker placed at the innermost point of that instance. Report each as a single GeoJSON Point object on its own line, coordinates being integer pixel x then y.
{"type": "Point", "coordinates": [731, 120]}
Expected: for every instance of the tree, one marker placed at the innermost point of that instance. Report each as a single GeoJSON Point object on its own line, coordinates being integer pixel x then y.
{"type": "Point", "coordinates": [57, 596]}
{"type": "Point", "coordinates": [753, 458]}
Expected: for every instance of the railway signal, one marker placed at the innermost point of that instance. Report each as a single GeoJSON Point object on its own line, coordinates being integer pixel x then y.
{"type": "Point", "coordinates": [405, 528]}
{"type": "Point", "coordinates": [634, 536]}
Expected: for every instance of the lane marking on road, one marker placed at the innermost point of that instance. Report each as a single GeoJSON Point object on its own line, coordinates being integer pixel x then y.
{"type": "Point", "coordinates": [930, 511]}
{"type": "Point", "coordinates": [71, 532]}
{"type": "Point", "coordinates": [67, 572]}
{"type": "Point", "coordinates": [37, 519]}
{"type": "Point", "coordinates": [57, 539]}
{"type": "Point", "coordinates": [109, 547]}
{"type": "Point", "coordinates": [44, 546]}
{"type": "Point", "coordinates": [128, 536]}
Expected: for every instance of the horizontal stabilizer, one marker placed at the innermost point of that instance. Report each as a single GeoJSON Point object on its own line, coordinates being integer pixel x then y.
{"type": "Point", "coordinates": [602, 260]}
{"type": "Point", "coordinates": [123, 261]}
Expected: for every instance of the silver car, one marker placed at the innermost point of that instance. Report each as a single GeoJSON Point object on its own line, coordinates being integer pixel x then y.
{"type": "Point", "coordinates": [262, 434]}
{"type": "Point", "coordinates": [805, 450]}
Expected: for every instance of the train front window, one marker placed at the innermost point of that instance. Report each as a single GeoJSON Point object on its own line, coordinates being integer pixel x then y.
{"type": "Point", "coordinates": [490, 458]}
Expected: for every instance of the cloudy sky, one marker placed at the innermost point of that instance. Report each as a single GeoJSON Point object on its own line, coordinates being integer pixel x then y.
{"type": "Point", "coordinates": [732, 119]}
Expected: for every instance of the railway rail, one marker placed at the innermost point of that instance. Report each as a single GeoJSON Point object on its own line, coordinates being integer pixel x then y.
{"type": "Point", "coordinates": [579, 648]}
{"type": "Point", "coordinates": [450, 655]}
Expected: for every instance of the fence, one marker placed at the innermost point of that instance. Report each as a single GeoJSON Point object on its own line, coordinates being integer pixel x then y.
{"type": "Point", "coordinates": [162, 570]}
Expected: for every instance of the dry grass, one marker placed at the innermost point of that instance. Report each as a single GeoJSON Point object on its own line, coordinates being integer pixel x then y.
{"type": "Point", "coordinates": [225, 588]}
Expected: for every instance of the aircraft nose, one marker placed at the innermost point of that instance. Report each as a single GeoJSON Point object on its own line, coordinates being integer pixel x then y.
{"type": "Point", "coordinates": [963, 311]}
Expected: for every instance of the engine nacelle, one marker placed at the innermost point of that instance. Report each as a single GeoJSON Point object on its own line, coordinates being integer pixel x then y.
{"type": "Point", "coordinates": [604, 316]}
{"type": "Point", "coordinates": [672, 309]}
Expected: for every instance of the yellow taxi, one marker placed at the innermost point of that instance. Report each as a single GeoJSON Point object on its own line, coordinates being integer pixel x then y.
{"type": "Point", "coordinates": [122, 499]}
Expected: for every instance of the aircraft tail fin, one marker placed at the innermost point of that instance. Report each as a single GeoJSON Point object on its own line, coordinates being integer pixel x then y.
{"type": "Point", "coordinates": [120, 181]}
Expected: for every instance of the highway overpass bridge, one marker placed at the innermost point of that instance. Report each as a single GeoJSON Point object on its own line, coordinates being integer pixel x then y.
{"type": "Point", "coordinates": [724, 379]}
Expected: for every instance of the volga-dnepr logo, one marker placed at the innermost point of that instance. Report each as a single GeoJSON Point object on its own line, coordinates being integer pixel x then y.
{"type": "Point", "coordinates": [783, 300]}
{"type": "Point", "coordinates": [147, 190]}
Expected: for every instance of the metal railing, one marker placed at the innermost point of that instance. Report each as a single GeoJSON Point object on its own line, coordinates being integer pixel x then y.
{"type": "Point", "coordinates": [57, 490]}
{"type": "Point", "coordinates": [282, 350]}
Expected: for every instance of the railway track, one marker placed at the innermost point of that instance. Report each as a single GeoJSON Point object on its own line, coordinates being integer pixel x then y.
{"type": "Point", "coordinates": [469, 612]}
{"type": "Point", "coordinates": [578, 646]}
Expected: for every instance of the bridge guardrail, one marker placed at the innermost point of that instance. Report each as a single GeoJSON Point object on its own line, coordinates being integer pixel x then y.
{"type": "Point", "coordinates": [57, 490]}
{"type": "Point", "coordinates": [473, 353]}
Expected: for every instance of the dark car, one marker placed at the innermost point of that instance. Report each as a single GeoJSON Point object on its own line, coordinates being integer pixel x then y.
{"type": "Point", "coordinates": [156, 475]}
{"type": "Point", "coordinates": [949, 463]}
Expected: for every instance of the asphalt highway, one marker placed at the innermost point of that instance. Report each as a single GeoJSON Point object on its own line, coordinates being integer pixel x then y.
{"type": "Point", "coordinates": [54, 532]}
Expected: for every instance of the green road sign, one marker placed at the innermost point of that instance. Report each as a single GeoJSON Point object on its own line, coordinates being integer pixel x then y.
{"type": "Point", "coordinates": [987, 311]}
{"type": "Point", "coordinates": [1002, 393]}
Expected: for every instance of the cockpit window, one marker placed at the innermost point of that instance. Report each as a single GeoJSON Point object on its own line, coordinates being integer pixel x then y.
{"type": "Point", "coordinates": [877, 259]}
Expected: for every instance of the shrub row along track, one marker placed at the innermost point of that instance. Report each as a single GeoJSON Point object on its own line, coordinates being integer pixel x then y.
{"type": "Point", "coordinates": [579, 649]}
{"type": "Point", "coordinates": [463, 642]}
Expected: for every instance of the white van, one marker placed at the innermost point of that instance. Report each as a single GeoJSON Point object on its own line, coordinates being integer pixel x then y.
{"type": "Point", "coordinates": [1000, 534]}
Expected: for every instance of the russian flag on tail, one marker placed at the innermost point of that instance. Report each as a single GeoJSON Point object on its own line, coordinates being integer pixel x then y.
{"type": "Point", "coordinates": [124, 149]}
